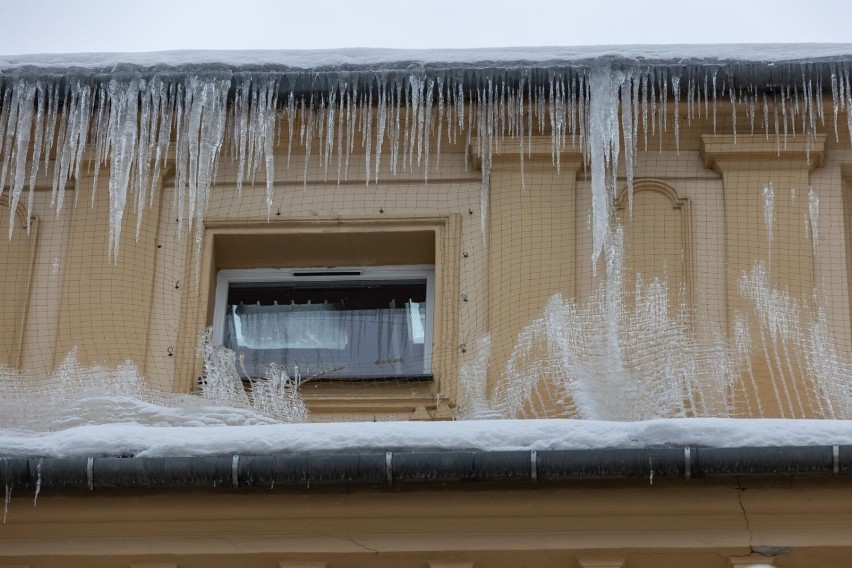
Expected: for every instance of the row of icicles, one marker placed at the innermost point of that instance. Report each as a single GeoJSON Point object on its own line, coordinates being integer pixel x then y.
{"type": "Point", "coordinates": [136, 125]}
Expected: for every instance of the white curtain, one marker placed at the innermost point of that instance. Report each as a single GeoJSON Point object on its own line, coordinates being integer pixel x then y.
{"type": "Point", "coordinates": [324, 341]}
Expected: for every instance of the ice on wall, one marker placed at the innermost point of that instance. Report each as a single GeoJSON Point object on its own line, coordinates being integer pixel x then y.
{"type": "Point", "coordinates": [473, 403]}
{"type": "Point", "coordinates": [572, 360]}
{"type": "Point", "coordinates": [569, 361]}
{"type": "Point", "coordinates": [77, 395]}
{"type": "Point", "coordinates": [275, 395]}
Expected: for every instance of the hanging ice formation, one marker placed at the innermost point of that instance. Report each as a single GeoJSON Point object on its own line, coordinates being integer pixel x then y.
{"type": "Point", "coordinates": [138, 119]}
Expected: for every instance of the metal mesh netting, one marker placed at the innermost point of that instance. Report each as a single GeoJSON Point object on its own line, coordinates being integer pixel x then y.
{"type": "Point", "coordinates": [604, 240]}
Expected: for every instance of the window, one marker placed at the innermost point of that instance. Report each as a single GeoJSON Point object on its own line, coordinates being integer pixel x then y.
{"type": "Point", "coordinates": [346, 323]}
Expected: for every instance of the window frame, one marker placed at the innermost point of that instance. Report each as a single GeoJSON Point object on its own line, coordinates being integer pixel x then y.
{"type": "Point", "coordinates": [226, 276]}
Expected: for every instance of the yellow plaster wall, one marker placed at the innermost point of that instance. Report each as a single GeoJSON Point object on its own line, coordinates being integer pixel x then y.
{"type": "Point", "coordinates": [149, 305]}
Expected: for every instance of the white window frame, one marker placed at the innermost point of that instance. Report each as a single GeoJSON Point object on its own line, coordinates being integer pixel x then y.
{"type": "Point", "coordinates": [228, 276]}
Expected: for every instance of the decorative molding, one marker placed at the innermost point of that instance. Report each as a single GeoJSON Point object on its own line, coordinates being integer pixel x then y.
{"type": "Point", "coordinates": [603, 562]}
{"type": "Point", "coordinates": [719, 150]}
{"type": "Point", "coordinates": [656, 185]}
{"type": "Point", "coordinates": [751, 561]}
{"type": "Point", "coordinates": [536, 149]}
{"type": "Point", "coordinates": [678, 203]}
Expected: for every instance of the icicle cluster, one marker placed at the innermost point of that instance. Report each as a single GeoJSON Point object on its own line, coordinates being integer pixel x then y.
{"type": "Point", "coordinates": [138, 124]}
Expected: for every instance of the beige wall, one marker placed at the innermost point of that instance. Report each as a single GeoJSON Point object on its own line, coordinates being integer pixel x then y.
{"type": "Point", "coordinates": [698, 218]}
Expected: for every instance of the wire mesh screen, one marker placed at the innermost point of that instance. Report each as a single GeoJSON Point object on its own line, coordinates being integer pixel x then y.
{"type": "Point", "coordinates": [593, 241]}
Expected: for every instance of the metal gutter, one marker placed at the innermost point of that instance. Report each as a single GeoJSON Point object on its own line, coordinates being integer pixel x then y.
{"type": "Point", "coordinates": [409, 468]}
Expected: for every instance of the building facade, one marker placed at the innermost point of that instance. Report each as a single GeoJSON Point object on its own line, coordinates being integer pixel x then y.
{"type": "Point", "coordinates": [591, 237]}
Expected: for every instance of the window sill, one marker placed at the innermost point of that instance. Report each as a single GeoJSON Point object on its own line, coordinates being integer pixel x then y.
{"type": "Point", "coordinates": [391, 400]}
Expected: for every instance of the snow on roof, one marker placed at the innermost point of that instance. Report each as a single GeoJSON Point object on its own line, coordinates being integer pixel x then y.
{"type": "Point", "coordinates": [122, 439]}
{"type": "Point", "coordinates": [364, 59]}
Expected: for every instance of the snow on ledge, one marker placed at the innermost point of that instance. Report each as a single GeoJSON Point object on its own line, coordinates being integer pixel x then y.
{"type": "Point", "coordinates": [367, 59]}
{"type": "Point", "coordinates": [493, 435]}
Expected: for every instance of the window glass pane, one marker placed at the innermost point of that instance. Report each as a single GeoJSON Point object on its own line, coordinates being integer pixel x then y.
{"type": "Point", "coordinates": [337, 328]}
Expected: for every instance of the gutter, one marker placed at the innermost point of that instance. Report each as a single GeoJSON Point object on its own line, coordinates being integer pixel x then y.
{"type": "Point", "coordinates": [524, 468]}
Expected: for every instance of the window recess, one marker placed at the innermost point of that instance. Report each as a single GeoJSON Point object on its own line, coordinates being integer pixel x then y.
{"type": "Point", "coordinates": [337, 323]}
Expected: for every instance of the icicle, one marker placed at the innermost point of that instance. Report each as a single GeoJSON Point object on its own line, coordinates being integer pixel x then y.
{"type": "Point", "coordinates": [645, 95]}
{"type": "Point", "coordinates": [407, 147]}
{"type": "Point", "coordinates": [769, 215]}
{"type": "Point", "coordinates": [732, 94]}
{"type": "Point", "coordinates": [200, 125]}
{"type": "Point", "coordinates": [348, 142]}
{"type": "Point", "coordinates": [627, 135]}
{"type": "Point", "coordinates": [554, 127]}
{"type": "Point", "coordinates": [635, 74]}
{"type": "Point", "coordinates": [241, 110]}
{"type": "Point", "coordinates": [308, 120]}
{"type": "Point", "coordinates": [319, 114]}
{"type": "Point", "coordinates": [835, 100]}
{"type": "Point", "coordinates": [766, 115]}
{"type": "Point", "coordinates": [813, 218]}
{"type": "Point", "coordinates": [663, 105]}
{"type": "Point", "coordinates": [161, 142]}
{"type": "Point", "coordinates": [689, 100]}
{"type": "Point", "coordinates": [460, 107]}
{"type": "Point", "coordinates": [520, 126]}
{"type": "Point", "coordinates": [267, 138]}
{"type": "Point", "coordinates": [382, 123]}
{"type": "Point", "coordinates": [751, 108]}
{"type": "Point", "coordinates": [415, 140]}
{"type": "Point", "coordinates": [848, 102]}
{"type": "Point", "coordinates": [603, 144]}
{"type": "Point", "coordinates": [653, 81]}
{"type": "Point", "coordinates": [143, 156]}
{"type": "Point", "coordinates": [10, 122]}
{"type": "Point", "coordinates": [23, 132]}
{"type": "Point", "coordinates": [37, 148]}
{"type": "Point", "coordinates": [341, 111]}
{"type": "Point", "coordinates": [397, 127]}
{"type": "Point", "coordinates": [676, 92]}
{"type": "Point", "coordinates": [438, 137]}
{"type": "Point", "coordinates": [123, 132]}
{"type": "Point", "coordinates": [818, 98]}
{"type": "Point", "coordinates": [427, 127]}
{"type": "Point", "coordinates": [812, 105]}
{"type": "Point", "coordinates": [715, 71]}
{"type": "Point", "coordinates": [775, 115]}
{"type": "Point", "coordinates": [5, 140]}
{"type": "Point", "coordinates": [367, 131]}
{"type": "Point", "coordinates": [530, 109]}
{"type": "Point", "coordinates": [583, 116]}
{"type": "Point", "coordinates": [290, 112]}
